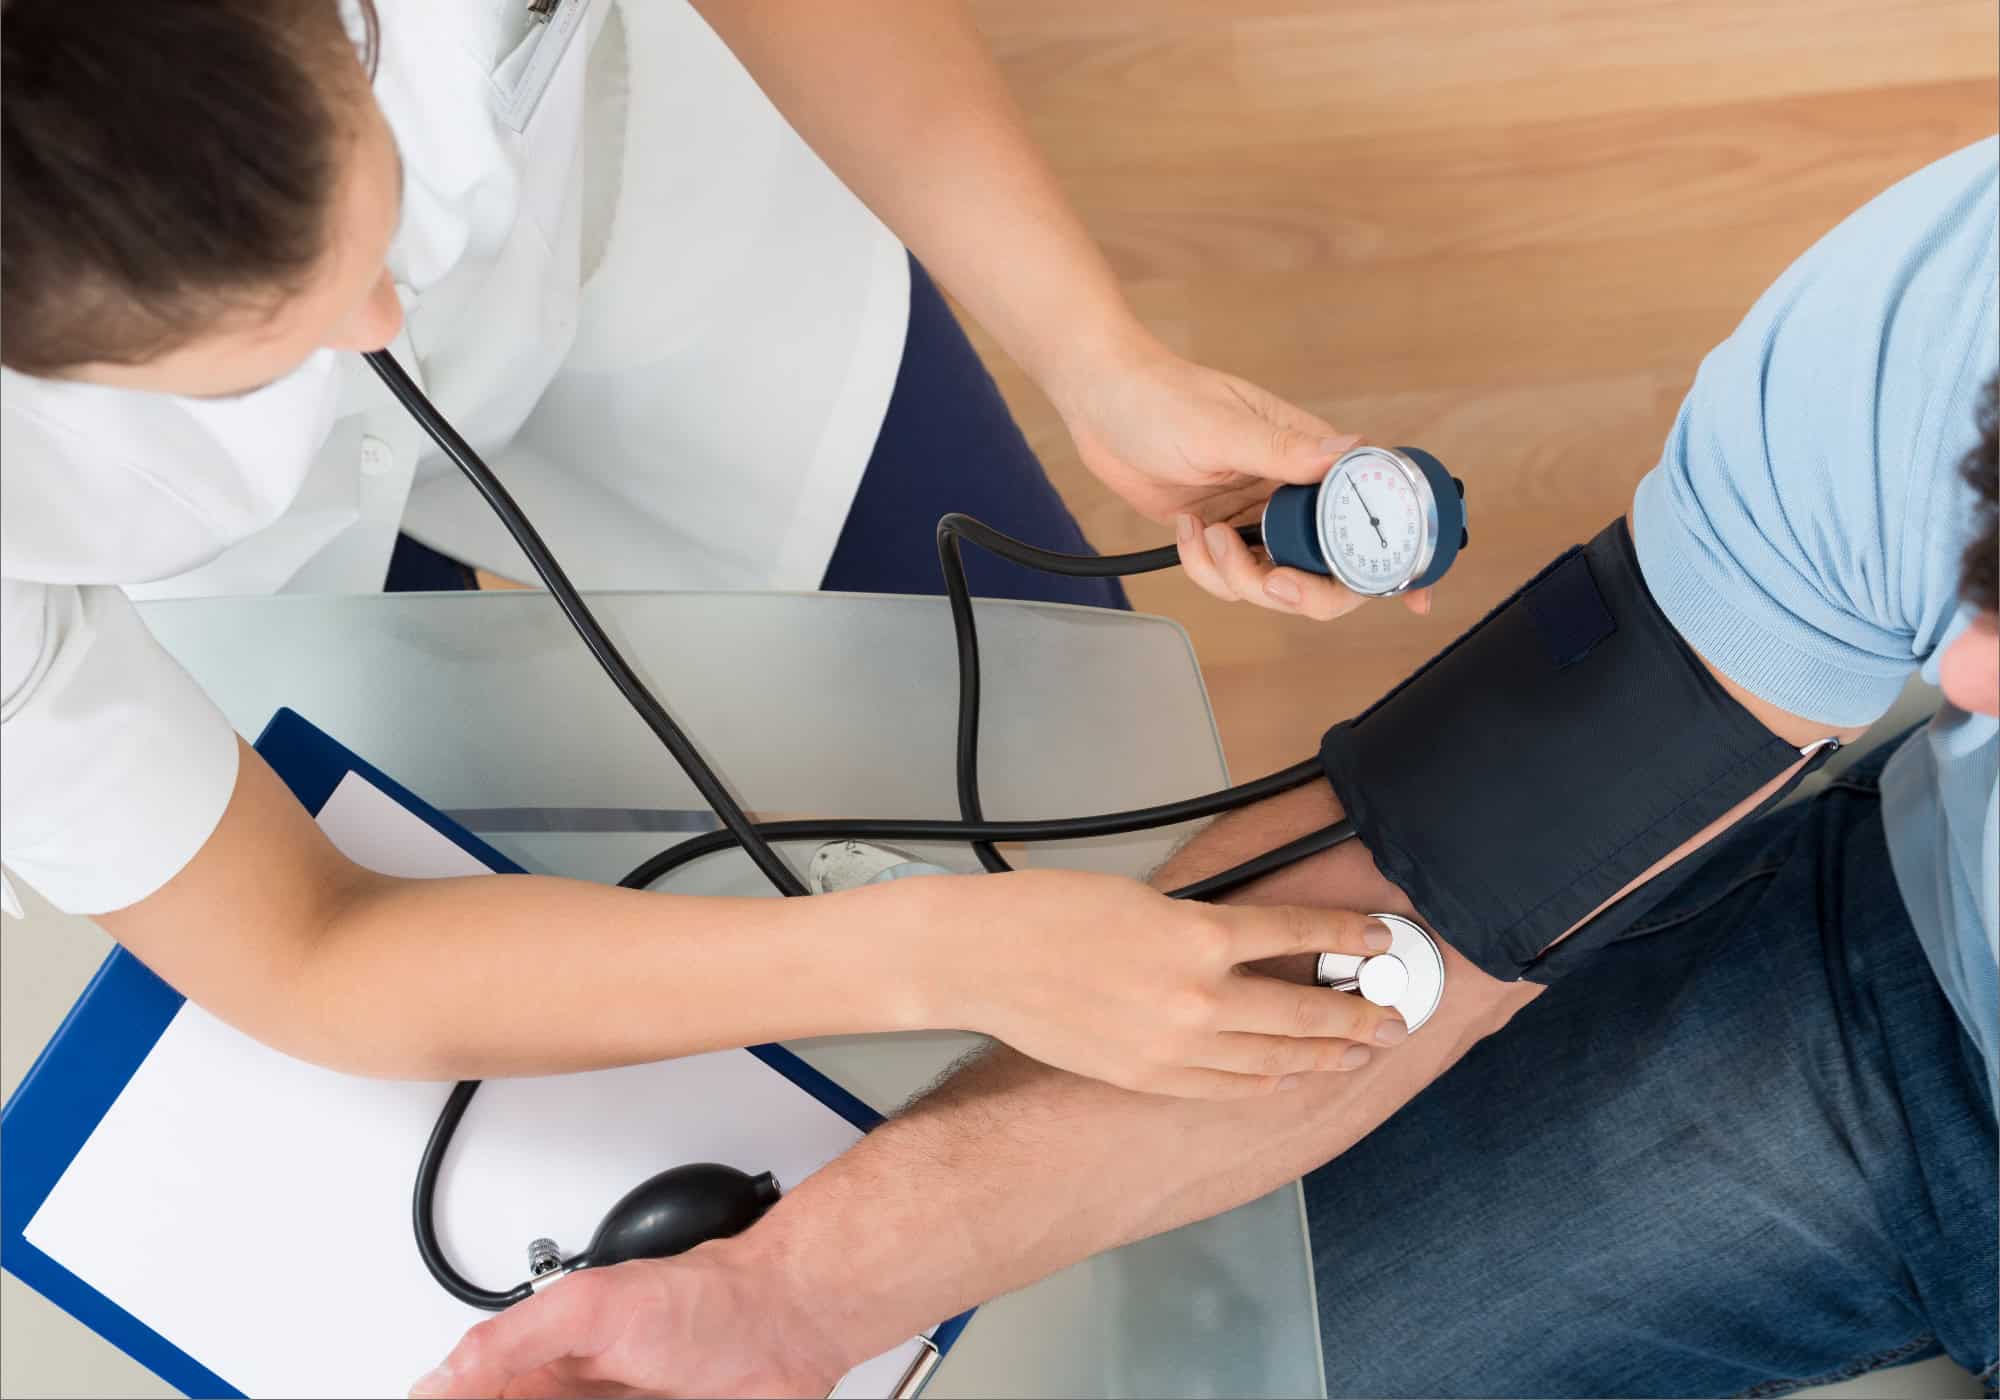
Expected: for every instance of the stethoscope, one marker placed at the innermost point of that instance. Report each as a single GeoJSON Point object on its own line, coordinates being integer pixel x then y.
{"type": "Point", "coordinates": [1383, 520]}
{"type": "Point", "coordinates": [1407, 977]}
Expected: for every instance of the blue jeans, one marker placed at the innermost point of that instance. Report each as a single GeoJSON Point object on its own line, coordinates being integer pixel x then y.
{"type": "Point", "coordinates": [1748, 1150]}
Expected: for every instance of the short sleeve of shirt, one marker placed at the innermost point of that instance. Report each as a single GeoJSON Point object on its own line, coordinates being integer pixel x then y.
{"type": "Point", "coordinates": [115, 768]}
{"type": "Point", "coordinates": [1804, 526]}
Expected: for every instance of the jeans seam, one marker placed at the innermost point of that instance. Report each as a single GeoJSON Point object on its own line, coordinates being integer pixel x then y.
{"type": "Point", "coordinates": [1862, 786]}
{"type": "Point", "coordinates": [1860, 1366]}
{"type": "Point", "coordinates": [1681, 916]}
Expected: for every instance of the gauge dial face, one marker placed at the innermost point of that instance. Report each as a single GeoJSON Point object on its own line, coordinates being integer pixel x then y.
{"type": "Point", "coordinates": [1374, 523]}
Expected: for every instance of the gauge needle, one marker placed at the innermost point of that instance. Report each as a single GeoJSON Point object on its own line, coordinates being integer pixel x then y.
{"type": "Point", "coordinates": [1373, 519]}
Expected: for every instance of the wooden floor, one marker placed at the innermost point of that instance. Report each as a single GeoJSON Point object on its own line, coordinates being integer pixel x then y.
{"type": "Point", "coordinates": [1501, 230]}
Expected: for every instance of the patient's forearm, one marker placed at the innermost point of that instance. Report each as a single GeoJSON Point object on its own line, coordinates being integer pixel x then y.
{"type": "Point", "coordinates": [1011, 1170]}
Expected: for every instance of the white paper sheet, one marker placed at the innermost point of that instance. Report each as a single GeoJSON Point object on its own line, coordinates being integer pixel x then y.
{"type": "Point", "coordinates": [255, 1210]}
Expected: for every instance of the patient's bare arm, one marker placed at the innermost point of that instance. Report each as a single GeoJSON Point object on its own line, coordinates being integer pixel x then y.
{"type": "Point", "coordinates": [1010, 1170]}
{"type": "Point", "coordinates": [1005, 1173]}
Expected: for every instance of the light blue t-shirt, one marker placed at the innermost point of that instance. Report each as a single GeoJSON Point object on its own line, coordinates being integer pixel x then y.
{"type": "Point", "coordinates": [1805, 527]}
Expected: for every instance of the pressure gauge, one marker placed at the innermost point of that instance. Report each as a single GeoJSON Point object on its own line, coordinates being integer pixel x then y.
{"type": "Point", "coordinates": [1383, 520]}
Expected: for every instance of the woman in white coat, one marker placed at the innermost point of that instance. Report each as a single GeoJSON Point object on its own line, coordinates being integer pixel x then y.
{"type": "Point", "coordinates": [698, 361]}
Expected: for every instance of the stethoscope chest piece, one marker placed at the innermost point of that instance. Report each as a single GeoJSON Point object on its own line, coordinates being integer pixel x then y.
{"type": "Point", "coordinates": [1408, 977]}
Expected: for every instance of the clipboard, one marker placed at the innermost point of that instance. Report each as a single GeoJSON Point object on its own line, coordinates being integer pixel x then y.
{"type": "Point", "coordinates": [122, 1017]}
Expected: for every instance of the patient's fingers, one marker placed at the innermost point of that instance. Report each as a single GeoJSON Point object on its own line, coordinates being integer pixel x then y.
{"type": "Point", "coordinates": [561, 1322]}
{"type": "Point", "coordinates": [559, 1382]}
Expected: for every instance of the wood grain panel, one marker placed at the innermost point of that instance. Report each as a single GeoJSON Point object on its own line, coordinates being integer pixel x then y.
{"type": "Point", "coordinates": [1505, 231]}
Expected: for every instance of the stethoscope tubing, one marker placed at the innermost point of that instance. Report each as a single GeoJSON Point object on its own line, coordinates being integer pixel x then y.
{"type": "Point", "coordinates": [758, 840]}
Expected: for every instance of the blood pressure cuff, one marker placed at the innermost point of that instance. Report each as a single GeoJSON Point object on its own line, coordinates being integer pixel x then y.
{"type": "Point", "coordinates": [1545, 760]}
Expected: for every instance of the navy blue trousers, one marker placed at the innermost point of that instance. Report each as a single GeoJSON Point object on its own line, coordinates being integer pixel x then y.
{"type": "Point", "coordinates": [947, 444]}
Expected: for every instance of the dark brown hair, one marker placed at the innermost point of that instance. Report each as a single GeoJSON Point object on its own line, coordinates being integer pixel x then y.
{"type": "Point", "coordinates": [1979, 575]}
{"type": "Point", "coordinates": [162, 164]}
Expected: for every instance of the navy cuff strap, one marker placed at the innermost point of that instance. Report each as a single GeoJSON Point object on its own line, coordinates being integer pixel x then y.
{"type": "Point", "coordinates": [1546, 759]}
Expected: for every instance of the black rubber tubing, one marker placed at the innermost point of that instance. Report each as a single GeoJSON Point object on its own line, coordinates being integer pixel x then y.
{"type": "Point", "coordinates": [756, 839]}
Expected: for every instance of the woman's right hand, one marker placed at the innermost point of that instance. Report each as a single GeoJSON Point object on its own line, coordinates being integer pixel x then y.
{"type": "Point", "coordinates": [1106, 977]}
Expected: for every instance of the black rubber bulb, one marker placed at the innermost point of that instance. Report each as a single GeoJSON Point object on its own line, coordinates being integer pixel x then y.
{"type": "Point", "coordinates": [680, 1208]}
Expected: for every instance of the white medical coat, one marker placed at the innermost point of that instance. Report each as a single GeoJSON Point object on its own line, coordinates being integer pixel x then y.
{"type": "Point", "coordinates": [667, 325]}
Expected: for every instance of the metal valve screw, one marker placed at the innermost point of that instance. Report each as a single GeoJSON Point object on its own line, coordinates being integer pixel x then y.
{"type": "Point", "coordinates": [543, 1257]}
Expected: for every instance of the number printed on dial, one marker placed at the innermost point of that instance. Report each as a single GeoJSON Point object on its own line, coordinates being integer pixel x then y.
{"type": "Point", "coordinates": [1376, 524]}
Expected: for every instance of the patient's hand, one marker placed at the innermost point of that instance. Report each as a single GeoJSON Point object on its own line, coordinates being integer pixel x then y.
{"type": "Point", "coordinates": [700, 1324]}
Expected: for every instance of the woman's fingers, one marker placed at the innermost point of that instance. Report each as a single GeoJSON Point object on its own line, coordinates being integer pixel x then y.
{"type": "Point", "coordinates": [1221, 1084]}
{"type": "Point", "coordinates": [1196, 561]}
{"type": "Point", "coordinates": [1309, 595]}
{"type": "Point", "coordinates": [1233, 560]}
{"type": "Point", "coordinates": [1258, 931]}
{"type": "Point", "coordinates": [1219, 562]}
{"type": "Point", "coordinates": [1275, 1056]}
{"type": "Point", "coordinates": [1267, 1007]}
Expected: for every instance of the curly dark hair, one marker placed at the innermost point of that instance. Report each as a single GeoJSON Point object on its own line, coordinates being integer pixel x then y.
{"type": "Point", "coordinates": [1979, 574]}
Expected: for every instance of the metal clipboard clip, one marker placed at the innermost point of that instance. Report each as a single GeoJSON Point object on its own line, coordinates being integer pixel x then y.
{"type": "Point", "coordinates": [916, 1375]}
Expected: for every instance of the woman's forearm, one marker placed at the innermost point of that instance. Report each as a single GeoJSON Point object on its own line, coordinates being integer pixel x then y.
{"type": "Point", "coordinates": [528, 974]}
{"type": "Point", "coordinates": [276, 932]}
{"type": "Point", "coordinates": [902, 100]}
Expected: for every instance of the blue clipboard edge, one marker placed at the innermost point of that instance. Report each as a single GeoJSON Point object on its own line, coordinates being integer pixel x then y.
{"type": "Point", "coordinates": [73, 1083]}
{"type": "Point", "coordinates": [52, 1112]}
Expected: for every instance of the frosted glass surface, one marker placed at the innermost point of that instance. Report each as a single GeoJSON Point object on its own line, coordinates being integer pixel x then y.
{"type": "Point", "coordinates": [815, 704]}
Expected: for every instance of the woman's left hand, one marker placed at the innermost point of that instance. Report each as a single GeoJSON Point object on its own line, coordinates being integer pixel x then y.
{"type": "Point", "coordinates": [1191, 445]}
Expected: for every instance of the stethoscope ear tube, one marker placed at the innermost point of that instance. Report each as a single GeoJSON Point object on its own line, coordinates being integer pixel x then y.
{"type": "Point", "coordinates": [713, 791]}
